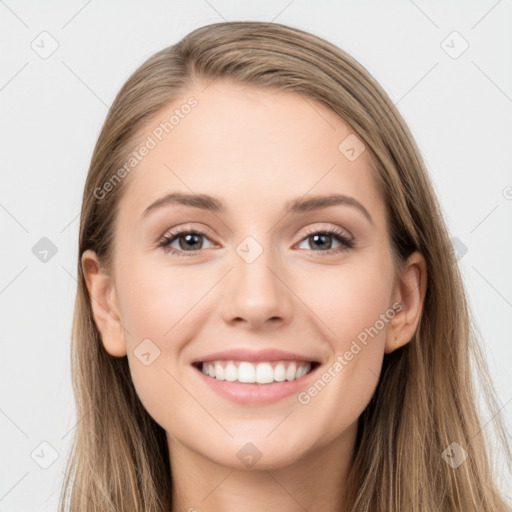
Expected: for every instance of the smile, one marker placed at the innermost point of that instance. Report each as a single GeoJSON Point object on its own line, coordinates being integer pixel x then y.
{"type": "Point", "coordinates": [265, 372]}
{"type": "Point", "coordinates": [256, 383]}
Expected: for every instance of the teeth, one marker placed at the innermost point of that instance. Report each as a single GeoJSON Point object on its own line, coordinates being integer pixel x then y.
{"type": "Point", "coordinates": [261, 373]}
{"type": "Point", "coordinates": [291, 372]}
{"type": "Point", "coordinates": [279, 372]}
{"type": "Point", "coordinates": [231, 372]}
{"type": "Point", "coordinates": [264, 373]}
{"type": "Point", "coordinates": [219, 372]}
{"type": "Point", "coordinates": [246, 372]}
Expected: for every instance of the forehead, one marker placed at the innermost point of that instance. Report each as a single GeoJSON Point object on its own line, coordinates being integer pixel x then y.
{"type": "Point", "coordinates": [250, 147]}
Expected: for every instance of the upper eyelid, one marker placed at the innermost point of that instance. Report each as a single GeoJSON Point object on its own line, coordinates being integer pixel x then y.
{"type": "Point", "coordinates": [204, 232]}
{"type": "Point", "coordinates": [174, 233]}
{"type": "Point", "coordinates": [329, 230]}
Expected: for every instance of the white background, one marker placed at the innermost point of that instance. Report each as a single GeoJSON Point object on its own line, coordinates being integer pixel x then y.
{"type": "Point", "coordinates": [459, 110]}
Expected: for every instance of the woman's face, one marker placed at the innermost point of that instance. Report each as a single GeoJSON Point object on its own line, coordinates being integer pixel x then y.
{"type": "Point", "coordinates": [255, 278]}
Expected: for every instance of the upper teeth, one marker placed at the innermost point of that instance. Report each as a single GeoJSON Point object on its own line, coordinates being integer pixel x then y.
{"type": "Point", "coordinates": [262, 373]}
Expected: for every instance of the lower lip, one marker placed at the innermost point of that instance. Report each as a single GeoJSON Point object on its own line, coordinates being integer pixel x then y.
{"type": "Point", "coordinates": [253, 393]}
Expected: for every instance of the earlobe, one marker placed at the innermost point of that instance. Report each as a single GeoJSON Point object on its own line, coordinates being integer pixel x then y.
{"type": "Point", "coordinates": [410, 291]}
{"type": "Point", "coordinates": [104, 304]}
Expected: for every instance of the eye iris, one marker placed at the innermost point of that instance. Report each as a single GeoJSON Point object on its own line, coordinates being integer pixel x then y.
{"type": "Point", "coordinates": [322, 237]}
{"type": "Point", "coordinates": [190, 241]}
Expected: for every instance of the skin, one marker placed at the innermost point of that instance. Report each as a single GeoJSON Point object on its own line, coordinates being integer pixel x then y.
{"type": "Point", "coordinates": [250, 147]}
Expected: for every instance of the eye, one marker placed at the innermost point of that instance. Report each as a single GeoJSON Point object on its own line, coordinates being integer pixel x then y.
{"type": "Point", "coordinates": [189, 241]}
{"type": "Point", "coordinates": [323, 240]}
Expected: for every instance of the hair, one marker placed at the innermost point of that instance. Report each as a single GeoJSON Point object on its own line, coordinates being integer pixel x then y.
{"type": "Point", "coordinates": [425, 399]}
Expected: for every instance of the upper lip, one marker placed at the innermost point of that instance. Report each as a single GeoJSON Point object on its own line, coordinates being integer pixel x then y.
{"type": "Point", "coordinates": [244, 354]}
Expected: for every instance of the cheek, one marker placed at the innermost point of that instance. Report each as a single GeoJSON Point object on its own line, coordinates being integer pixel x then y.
{"type": "Point", "coordinates": [344, 304]}
{"type": "Point", "coordinates": [159, 307]}
{"type": "Point", "coordinates": [349, 300]}
{"type": "Point", "coordinates": [155, 300]}
{"type": "Point", "coordinates": [351, 307]}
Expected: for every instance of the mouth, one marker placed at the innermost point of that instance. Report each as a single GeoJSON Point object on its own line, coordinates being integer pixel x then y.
{"type": "Point", "coordinates": [261, 372]}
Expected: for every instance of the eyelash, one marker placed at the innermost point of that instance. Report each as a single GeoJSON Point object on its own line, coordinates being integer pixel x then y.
{"type": "Point", "coordinates": [347, 243]}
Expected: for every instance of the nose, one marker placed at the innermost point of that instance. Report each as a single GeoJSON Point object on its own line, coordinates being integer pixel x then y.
{"type": "Point", "coordinates": [256, 293]}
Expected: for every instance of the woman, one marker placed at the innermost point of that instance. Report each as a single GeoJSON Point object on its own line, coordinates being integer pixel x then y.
{"type": "Point", "coordinates": [222, 357]}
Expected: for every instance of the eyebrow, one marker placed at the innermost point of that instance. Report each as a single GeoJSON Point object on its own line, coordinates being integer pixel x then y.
{"type": "Point", "coordinates": [298, 205]}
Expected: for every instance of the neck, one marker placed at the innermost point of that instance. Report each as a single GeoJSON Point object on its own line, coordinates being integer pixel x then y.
{"type": "Point", "coordinates": [316, 481]}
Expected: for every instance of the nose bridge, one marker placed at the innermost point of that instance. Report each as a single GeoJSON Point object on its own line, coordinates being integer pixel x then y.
{"type": "Point", "coordinates": [256, 293]}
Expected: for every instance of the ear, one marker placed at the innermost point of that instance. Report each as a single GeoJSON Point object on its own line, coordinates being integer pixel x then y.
{"type": "Point", "coordinates": [104, 304]}
{"type": "Point", "coordinates": [410, 294]}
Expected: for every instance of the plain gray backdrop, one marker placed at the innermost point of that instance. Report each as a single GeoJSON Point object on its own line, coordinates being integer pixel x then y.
{"type": "Point", "coordinates": [448, 68]}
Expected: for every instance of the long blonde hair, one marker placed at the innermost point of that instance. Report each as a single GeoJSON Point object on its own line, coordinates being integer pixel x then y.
{"type": "Point", "coordinates": [425, 399]}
